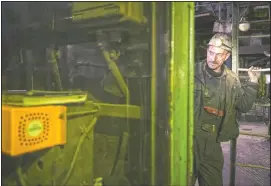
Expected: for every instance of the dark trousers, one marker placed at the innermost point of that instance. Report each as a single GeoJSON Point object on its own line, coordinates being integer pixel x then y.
{"type": "Point", "coordinates": [208, 160]}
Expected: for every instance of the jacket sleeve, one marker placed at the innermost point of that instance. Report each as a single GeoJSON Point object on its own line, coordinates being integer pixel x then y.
{"type": "Point", "coordinates": [246, 95]}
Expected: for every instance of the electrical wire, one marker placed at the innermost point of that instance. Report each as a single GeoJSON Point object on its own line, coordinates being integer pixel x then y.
{"type": "Point", "coordinates": [211, 4]}
{"type": "Point", "coordinates": [244, 13]}
{"type": "Point", "coordinates": [120, 141]}
{"type": "Point", "coordinates": [117, 155]}
{"type": "Point", "coordinates": [145, 126]}
{"type": "Point", "coordinates": [114, 55]}
{"type": "Point", "coordinates": [80, 142]}
{"type": "Point", "coordinates": [20, 174]}
{"type": "Point", "coordinates": [142, 131]}
{"type": "Point", "coordinates": [252, 166]}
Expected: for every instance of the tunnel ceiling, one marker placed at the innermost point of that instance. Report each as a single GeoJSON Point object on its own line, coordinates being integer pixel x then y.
{"type": "Point", "coordinates": [22, 14]}
{"type": "Point", "coordinates": [206, 13]}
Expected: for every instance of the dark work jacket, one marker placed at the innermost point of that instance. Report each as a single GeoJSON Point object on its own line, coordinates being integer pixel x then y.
{"type": "Point", "coordinates": [237, 98]}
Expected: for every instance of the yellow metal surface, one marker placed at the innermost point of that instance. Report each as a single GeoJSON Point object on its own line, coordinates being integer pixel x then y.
{"type": "Point", "coordinates": [118, 110]}
{"type": "Point", "coordinates": [49, 99]}
{"type": "Point", "coordinates": [43, 92]}
{"type": "Point", "coordinates": [30, 129]}
{"type": "Point", "coordinates": [117, 75]}
{"type": "Point", "coordinates": [105, 109]}
{"type": "Point", "coordinates": [132, 11]}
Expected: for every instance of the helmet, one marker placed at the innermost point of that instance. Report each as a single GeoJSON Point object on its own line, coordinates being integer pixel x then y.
{"type": "Point", "coordinates": [221, 40]}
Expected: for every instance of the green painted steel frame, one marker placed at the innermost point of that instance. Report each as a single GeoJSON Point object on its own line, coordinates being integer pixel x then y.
{"type": "Point", "coordinates": [181, 75]}
{"type": "Point", "coordinates": [153, 91]}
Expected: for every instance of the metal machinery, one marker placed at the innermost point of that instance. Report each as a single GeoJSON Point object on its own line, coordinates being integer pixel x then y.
{"type": "Point", "coordinates": [98, 93]}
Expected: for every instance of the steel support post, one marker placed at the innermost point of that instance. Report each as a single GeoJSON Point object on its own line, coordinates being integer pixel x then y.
{"type": "Point", "coordinates": [235, 66]}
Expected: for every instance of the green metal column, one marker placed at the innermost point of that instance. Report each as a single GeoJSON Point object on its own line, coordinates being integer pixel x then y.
{"type": "Point", "coordinates": [190, 122]}
{"type": "Point", "coordinates": [181, 72]}
{"type": "Point", "coordinates": [153, 92]}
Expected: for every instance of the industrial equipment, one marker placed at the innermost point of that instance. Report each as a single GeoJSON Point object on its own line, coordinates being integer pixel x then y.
{"type": "Point", "coordinates": [30, 129]}
{"type": "Point", "coordinates": [85, 102]}
{"type": "Point", "coordinates": [114, 11]}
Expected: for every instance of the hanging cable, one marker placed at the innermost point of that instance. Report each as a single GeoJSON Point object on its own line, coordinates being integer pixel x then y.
{"type": "Point", "coordinates": [79, 144]}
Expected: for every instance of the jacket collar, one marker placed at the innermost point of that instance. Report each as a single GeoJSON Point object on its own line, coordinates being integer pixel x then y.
{"type": "Point", "coordinates": [201, 68]}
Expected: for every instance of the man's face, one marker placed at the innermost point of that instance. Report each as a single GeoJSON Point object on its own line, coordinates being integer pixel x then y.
{"type": "Point", "coordinates": [216, 57]}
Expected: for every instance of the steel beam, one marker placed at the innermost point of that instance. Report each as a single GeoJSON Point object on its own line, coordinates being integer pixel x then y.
{"type": "Point", "coordinates": [118, 110]}
{"type": "Point", "coordinates": [254, 49]}
{"type": "Point", "coordinates": [235, 66]}
{"type": "Point", "coordinates": [105, 109]}
{"type": "Point", "coordinates": [181, 76]}
{"type": "Point", "coordinates": [235, 35]}
{"type": "Point", "coordinates": [255, 36]}
{"type": "Point", "coordinates": [252, 4]}
{"type": "Point", "coordinates": [153, 90]}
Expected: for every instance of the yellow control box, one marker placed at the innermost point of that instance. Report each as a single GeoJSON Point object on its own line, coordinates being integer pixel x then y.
{"type": "Point", "coordinates": [29, 129]}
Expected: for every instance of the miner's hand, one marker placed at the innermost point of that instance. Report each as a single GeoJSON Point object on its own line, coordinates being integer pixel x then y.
{"type": "Point", "coordinates": [254, 76]}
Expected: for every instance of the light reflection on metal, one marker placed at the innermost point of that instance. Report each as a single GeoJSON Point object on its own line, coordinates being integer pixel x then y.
{"type": "Point", "coordinates": [259, 70]}
{"type": "Point", "coordinates": [255, 36]}
{"type": "Point", "coordinates": [203, 15]}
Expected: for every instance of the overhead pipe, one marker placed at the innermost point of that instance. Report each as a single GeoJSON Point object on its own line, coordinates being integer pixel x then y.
{"type": "Point", "coordinates": [203, 15]}
{"type": "Point", "coordinates": [253, 4]}
{"type": "Point", "coordinates": [255, 36]}
{"type": "Point", "coordinates": [269, 12]}
{"type": "Point", "coordinates": [207, 4]}
{"type": "Point", "coordinates": [260, 21]}
{"type": "Point", "coordinates": [258, 70]}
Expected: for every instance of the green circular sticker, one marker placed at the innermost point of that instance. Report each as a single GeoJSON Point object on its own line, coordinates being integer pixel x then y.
{"type": "Point", "coordinates": [34, 128]}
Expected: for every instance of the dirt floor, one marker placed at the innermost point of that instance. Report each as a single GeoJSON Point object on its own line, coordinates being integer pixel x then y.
{"type": "Point", "coordinates": [250, 150]}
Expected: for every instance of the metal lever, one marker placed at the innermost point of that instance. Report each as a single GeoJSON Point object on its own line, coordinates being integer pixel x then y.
{"type": "Point", "coordinates": [259, 70]}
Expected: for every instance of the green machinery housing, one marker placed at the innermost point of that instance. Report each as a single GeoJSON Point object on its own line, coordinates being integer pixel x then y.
{"type": "Point", "coordinates": [124, 71]}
